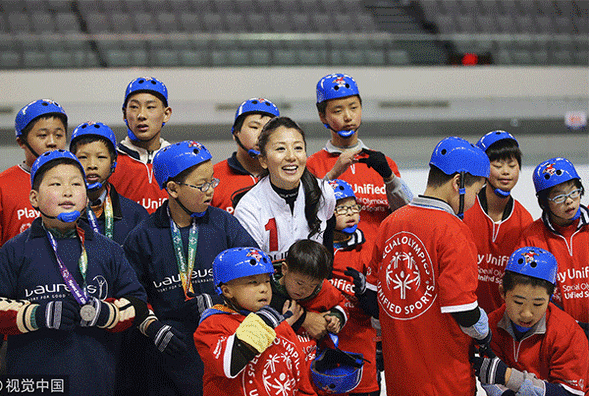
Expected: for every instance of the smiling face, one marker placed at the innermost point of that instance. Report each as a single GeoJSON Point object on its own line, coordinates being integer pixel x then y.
{"type": "Point", "coordinates": [562, 213]}
{"type": "Point", "coordinates": [249, 292]}
{"type": "Point", "coordinates": [285, 157]}
{"type": "Point", "coordinates": [62, 190]}
{"type": "Point", "coordinates": [145, 114]}
{"type": "Point", "coordinates": [504, 174]}
{"type": "Point", "coordinates": [96, 160]}
{"type": "Point", "coordinates": [525, 304]}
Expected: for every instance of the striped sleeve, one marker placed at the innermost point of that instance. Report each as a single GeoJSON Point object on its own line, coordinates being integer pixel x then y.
{"type": "Point", "coordinates": [17, 316]}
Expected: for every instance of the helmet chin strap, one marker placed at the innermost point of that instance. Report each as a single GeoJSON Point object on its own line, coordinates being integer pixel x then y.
{"type": "Point", "coordinates": [461, 191]}
{"type": "Point", "coordinates": [575, 217]}
{"type": "Point", "coordinates": [350, 230]}
{"type": "Point", "coordinates": [499, 192]}
{"type": "Point", "coordinates": [91, 187]}
{"type": "Point", "coordinates": [192, 214]}
{"type": "Point", "coordinates": [345, 133]}
{"type": "Point", "coordinates": [251, 152]}
{"type": "Point", "coordinates": [521, 329]}
{"type": "Point", "coordinates": [26, 143]}
{"type": "Point", "coordinates": [66, 217]}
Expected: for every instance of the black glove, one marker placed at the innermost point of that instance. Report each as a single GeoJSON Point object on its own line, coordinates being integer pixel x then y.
{"type": "Point", "coordinates": [272, 317]}
{"type": "Point", "coordinates": [166, 338]}
{"type": "Point", "coordinates": [379, 358]}
{"type": "Point", "coordinates": [377, 161]}
{"type": "Point", "coordinates": [359, 280]}
{"type": "Point", "coordinates": [197, 304]}
{"type": "Point", "coordinates": [489, 370]}
{"type": "Point", "coordinates": [58, 314]}
{"type": "Point", "coordinates": [102, 311]}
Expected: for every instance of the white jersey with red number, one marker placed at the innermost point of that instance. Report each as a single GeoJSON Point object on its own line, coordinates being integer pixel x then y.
{"type": "Point", "coordinates": [495, 242]}
{"type": "Point", "coordinates": [570, 246]}
{"type": "Point", "coordinates": [367, 184]}
{"type": "Point", "coordinates": [269, 220]}
{"type": "Point", "coordinates": [556, 350]}
{"type": "Point", "coordinates": [16, 212]}
{"type": "Point", "coordinates": [279, 370]}
{"type": "Point", "coordinates": [423, 269]}
{"type": "Point", "coordinates": [133, 177]}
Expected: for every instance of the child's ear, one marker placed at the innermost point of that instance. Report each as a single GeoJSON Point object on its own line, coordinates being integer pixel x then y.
{"type": "Point", "coordinates": [456, 182]}
{"type": "Point", "coordinates": [502, 292]}
{"type": "Point", "coordinates": [172, 188]}
{"type": "Point", "coordinates": [34, 198]}
{"type": "Point", "coordinates": [322, 118]}
{"type": "Point", "coordinates": [284, 268]}
{"type": "Point", "coordinates": [226, 291]}
{"type": "Point", "coordinates": [167, 114]}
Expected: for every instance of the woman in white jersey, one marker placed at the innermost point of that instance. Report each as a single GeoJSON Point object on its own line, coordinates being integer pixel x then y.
{"type": "Point", "coordinates": [288, 203]}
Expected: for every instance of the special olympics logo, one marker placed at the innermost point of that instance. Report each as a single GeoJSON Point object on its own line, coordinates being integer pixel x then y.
{"type": "Point", "coordinates": [406, 277]}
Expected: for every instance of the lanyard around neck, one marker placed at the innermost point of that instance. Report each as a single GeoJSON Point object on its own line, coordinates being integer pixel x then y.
{"type": "Point", "coordinates": [78, 292]}
{"type": "Point", "coordinates": [185, 267]}
{"type": "Point", "coordinates": [108, 217]}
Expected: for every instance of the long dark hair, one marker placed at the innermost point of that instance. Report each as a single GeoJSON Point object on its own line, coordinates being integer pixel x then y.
{"type": "Point", "coordinates": [312, 190]}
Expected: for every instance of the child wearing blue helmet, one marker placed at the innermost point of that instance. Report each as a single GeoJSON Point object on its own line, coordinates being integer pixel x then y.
{"type": "Point", "coordinates": [241, 170]}
{"type": "Point", "coordinates": [172, 252]}
{"type": "Point", "coordinates": [65, 288]}
{"type": "Point", "coordinates": [374, 177]}
{"type": "Point", "coordinates": [145, 111]}
{"type": "Point", "coordinates": [40, 126]}
{"type": "Point", "coordinates": [247, 346]}
{"type": "Point", "coordinates": [536, 349]}
{"type": "Point", "coordinates": [563, 230]}
{"type": "Point", "coordinates": [422, 280]}
{"type": "Point", "coordinates": [108, 213]}
{"type": "Point", "coordinates": [497, 220]}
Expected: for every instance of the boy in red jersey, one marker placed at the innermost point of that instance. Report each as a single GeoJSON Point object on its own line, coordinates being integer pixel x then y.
{"type": "Point", "coordinates": [376, 178]}
{"type": "Point", "coordinates": [497, 219]}
{"type": "Point", "coordinates": [563, 230]}
{"type": "Point", "coordinates": [539, 348]}
{"type": "Point", "coordinates": [352, 253]}
{"type": "Point", "coordinates": [248, 347]}
{"type": "Point", "coordinates": [422, 280]}
{"type": "Point", "coordinates": [241, 170]}
{"type": "Point", "coordinates": [40, 126]}
{"type": "Point", "coordinates": [145, 111]}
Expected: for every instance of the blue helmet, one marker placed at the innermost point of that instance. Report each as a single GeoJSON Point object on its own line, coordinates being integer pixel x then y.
{"type": "Point", "coordinates": [95, 129]}
{"type": "Point", "coordinates": [454, 154]}
{"type": "Point", "coordinates": [257, 106]}
{"type": "Point", "coordinates": [341, 189]}
{"type": "Point", "coordinates": [176, 158]}
{"type": "Point", "coordinates": [336, 371]}
{"type": "Point", "coordinates": [49, 156]}
{"type": "Point", "coordinates": [336, 86]}
{"type": "Point", "coordinates": [492, 137]}
{"type": "Point", "coordinates": [36, 109]}
{"type": "Point", "coordinates": [534, 262]}
{"type": "Point", "coordinates": [147, 84]}
{"type": "Point", "coordinates": [239, 262]}
{"type": "Point", "coordinates": [552, 172]}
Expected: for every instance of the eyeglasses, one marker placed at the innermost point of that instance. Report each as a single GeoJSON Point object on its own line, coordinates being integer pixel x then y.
{"type": "Point", "coordinates": [343, 210]}
{"type": "Point", "coordinates": [563, 197]}
{"type": "Point", "coordinates": [205, 186]}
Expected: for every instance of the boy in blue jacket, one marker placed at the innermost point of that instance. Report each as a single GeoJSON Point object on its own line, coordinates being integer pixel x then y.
{"type": "Point", "coordinates": [64, 288]}
{"type": "Point", "coordinates": [172, 253]}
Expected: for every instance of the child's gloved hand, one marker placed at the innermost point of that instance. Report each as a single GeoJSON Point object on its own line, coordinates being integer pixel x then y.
{"type": "Point", "coordinates": [197, 304]}
{"type": "Point", "coordinates": [272, 317]}
{"type": "Point", "coordinates": [377, 161]}
{"type": "Point", "coordinates": [103, 313]}
{"type": "Point", "coordinates": [489, 370]}
{"type": "Point", "coordinates": [166, 338]}
{"type": "Point", "coordinates": [296, 311]}
{"type": "Point", "coordinates": [58, 314]}
{"type": "Point", "coordinates": [359, 280]}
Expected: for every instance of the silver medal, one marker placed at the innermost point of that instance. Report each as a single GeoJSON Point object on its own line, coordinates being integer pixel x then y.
{"type": "Point", "coordinates": [87, 312]}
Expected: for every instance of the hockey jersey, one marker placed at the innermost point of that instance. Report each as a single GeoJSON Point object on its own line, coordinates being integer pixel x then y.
{"type": "Point", "coordinates": [233, 177]}
{"type": "Point", "coordinates": [16, 212]}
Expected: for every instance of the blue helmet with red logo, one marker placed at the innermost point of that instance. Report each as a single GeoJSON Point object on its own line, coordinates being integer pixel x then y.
{"type": "Point", "coordinates": [147, 84]}
{"type": "Point", "coordinates": [171, 160]}
{"type": "Point", "coordinates": [534, 262]}
{"type": "Point", "coordinates": [336, 371]}
{"type": "Point", "coordinates": [336, 86]}
{"type": "Point", "coordinates": [454, 154]}
{"type": "Point", "coordinates": [342, 189]}
{"type": "Point", "coordinates": [552, 172]}
{"type": "Point", "coordinates": [255, 106]}
{"type": "Point", "coordinates": [240, 262]}
{"type": "Point", "coordinates": [35, 109]}
{"type": "Point", "coordinates": [493, 137]}
{"type": "Point", "coordinates": [54, 155]}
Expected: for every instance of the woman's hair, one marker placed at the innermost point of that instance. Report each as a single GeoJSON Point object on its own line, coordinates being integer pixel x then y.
{"type": "Point", "coordinates": [310, 258]}
{"type": "Point", "coordinates": [312, 190]}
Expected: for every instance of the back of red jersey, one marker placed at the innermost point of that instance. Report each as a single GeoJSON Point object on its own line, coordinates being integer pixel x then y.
{"type": "Point", "coordinates": [230, 182]}
{"type": "Point", "coordinates": [16, 212]}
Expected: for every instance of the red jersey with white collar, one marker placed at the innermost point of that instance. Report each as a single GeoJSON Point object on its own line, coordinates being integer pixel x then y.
{"type": "Point", "coordinates": [495, 242]}
{"type": "Point", "coordinates": [423, 269]}
{"type": "Point", "coordinates": [279, 370]}
{"type": "Point", "coordinates": [133, 177]}
{"type": "Point", "coordinates": [16, 212]}
{"type": "Point", "coordinates": [570, 246]}
{"type": "Point", "coordinates": [367, 184]}
{"type": "Point", "coordinates": [358, 335]}
{"type": "Point", "coordinates": [231, 179]}
{"type": "Point", "coordinates": [556, 351]}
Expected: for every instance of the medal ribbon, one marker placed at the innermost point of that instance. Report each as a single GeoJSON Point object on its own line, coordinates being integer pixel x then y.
{"type": "Point", "coordinates": [108, 217]}
{"type": "Point", "coordinates": [185, 267]}
{"type": "Point", "coordinates": [79, 293]}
